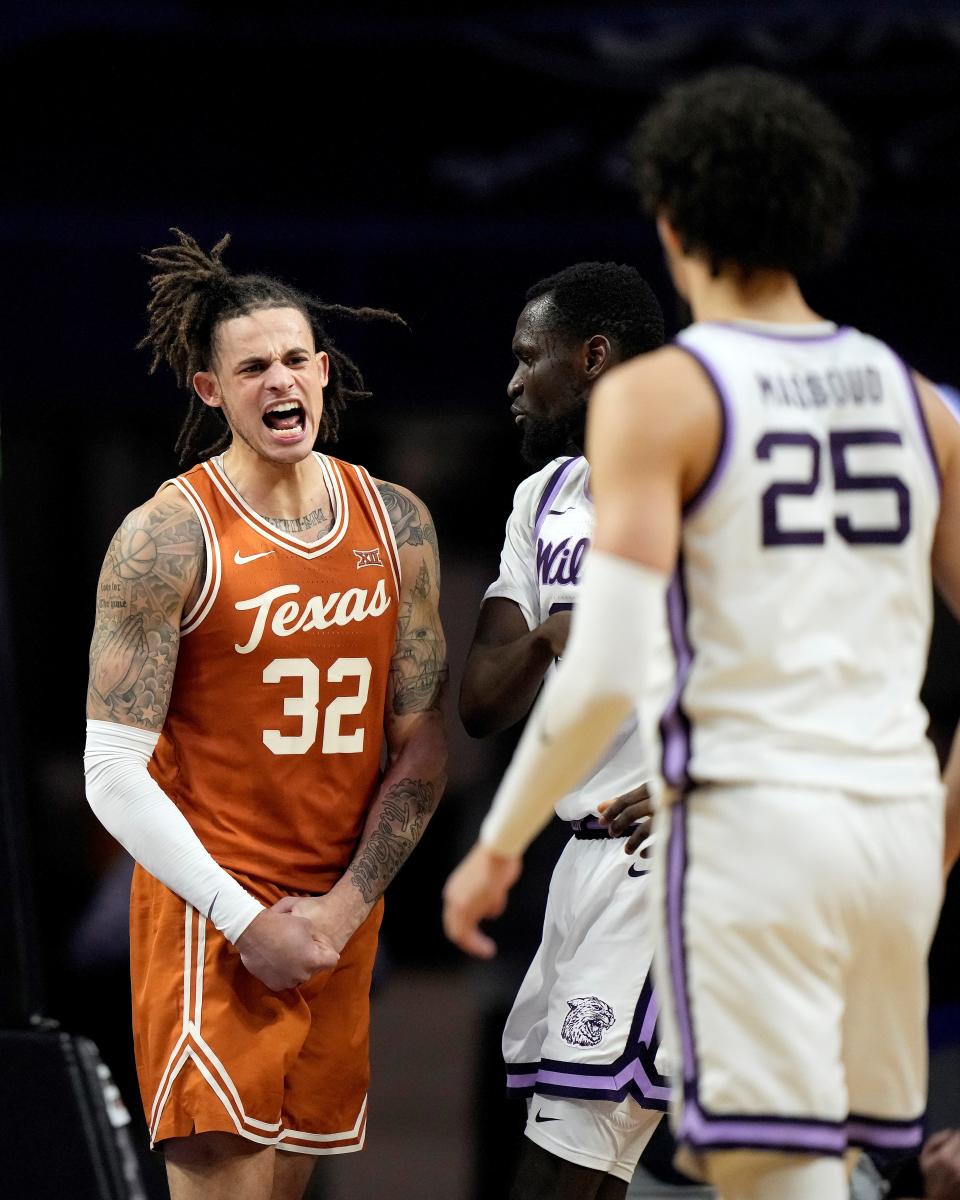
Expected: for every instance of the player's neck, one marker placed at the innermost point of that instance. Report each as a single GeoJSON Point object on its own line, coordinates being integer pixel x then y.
{"type": "Point", "coordinates": [275, 489]}
{"type": "Point", "coordinates": [764, 296]}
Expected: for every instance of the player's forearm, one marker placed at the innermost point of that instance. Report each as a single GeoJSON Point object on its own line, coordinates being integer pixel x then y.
{"type": "Point", "coordinates": [500, 683]}
{"type": "Point", "coordinates": [406, 800]}
{"type": "Point", "coordinates": [600, 679]}
{"type": "Point", "coordinates": [140, 815]}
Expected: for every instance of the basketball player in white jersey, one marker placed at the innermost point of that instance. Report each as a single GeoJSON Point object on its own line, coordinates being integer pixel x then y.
{"type": "Point", "coordinates": [580, 1041]}
{"type": "Point", "coordinates": [786, 483]}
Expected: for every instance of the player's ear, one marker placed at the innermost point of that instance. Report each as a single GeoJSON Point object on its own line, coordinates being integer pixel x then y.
{"type": "Point", "coordinates": [207, 388]}
{"type": "Point", "coordinates": [323, 364]}
{"type": "Point", "coordinates": [669, 238]}
{"type": "Point", "coordinates": [597, 355]}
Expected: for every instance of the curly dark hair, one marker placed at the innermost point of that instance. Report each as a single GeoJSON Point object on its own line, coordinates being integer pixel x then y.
{"type": "Point", "coordinates": [751, 170]}
{"type": "Point", "coordinates": [608, 298]}
{"type": "Point", "coordinates": [193, 292]}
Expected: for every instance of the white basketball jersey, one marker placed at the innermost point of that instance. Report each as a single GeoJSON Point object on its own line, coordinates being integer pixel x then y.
{"type": "Point", "coordinates": [548, 535]}
{"type": "Point", "coordinates": [801, 610]}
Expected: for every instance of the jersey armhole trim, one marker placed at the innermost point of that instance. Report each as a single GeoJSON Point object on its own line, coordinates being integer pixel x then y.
{"type": "Point", "coordinates": [382, 521]}
{"type": "Point", "coordinates": [212, 570]}
{"type": "Point", "coordinates": [922, 422]}
{"type": "Point", "coordinates": [553, 486]}
{"type": "Point", "coordinates": [717, 471]}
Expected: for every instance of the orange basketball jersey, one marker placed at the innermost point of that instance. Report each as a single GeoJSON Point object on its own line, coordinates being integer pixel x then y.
{"type": "Point", "coordinates": [271, 746]}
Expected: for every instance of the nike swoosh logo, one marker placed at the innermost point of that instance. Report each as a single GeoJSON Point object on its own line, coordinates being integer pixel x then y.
{"type": "Point", "coordinates": [240, 559]}
{"type": "Point", "coordinates": [557, 512]}
{"type": "Point", "coordinates": [635, 873]}
{"type": "Point", "coordinates": [540, 1119]}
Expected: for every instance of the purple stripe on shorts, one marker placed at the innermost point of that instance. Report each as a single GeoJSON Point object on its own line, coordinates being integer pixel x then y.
{"type": "Point", "coordinates": [676, 869]}
{"type": "Point", "coordinates": [649, 1025]}
{"type": "Point", "coordinates": [813, 1137]}
{"type": "Point", "coordinates": [885, 1135]}
{"type": "Point", "coordinates": [526, 1082]}
{"type": "Point", "coordinates": [922, 421]}
{"type": "Point", "coordinates": [634, 1071]}
{"type": "Point", "coordinates": [614, 1082]}
{"type": "Point", "coordinates": [726, 434]}
{"type": "Point", "coordinates": [554, 484]}
{"type": "Point", "coordinates": [787, 1133]}
{"type": "Point", "coordinates": [577, 1093]}
{"type": "Point", "coordinates": [674, 730]}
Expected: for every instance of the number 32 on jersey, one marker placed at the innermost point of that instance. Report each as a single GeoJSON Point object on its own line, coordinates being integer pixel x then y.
{"type": "Point", "coordinates": [306, 706]}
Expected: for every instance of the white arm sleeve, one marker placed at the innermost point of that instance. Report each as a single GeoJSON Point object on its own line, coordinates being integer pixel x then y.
{"type": "Point", "coordinates": [599, 679]}
{"type": "Point", "coordinates": [147, 823]}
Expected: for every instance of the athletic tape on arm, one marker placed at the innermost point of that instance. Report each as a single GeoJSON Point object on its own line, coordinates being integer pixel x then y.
{"type": "Point", "coordinates": [600, 678]}
{"type": "Point", "coordinates": [143, 818]}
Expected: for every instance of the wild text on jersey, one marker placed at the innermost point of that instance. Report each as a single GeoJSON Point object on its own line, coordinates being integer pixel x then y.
{"type": "Point", "coordinates": [560, 563]}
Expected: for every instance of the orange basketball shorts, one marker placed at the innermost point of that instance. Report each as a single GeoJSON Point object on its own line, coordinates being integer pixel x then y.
{"type": "Point", "coordinates": [217, 1050]}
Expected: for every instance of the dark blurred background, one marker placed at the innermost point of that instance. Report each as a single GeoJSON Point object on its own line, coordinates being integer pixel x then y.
{"type": "Point", "coordinates": [437, 165]}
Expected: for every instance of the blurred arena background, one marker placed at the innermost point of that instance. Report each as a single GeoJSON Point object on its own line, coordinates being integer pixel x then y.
{"type": "Point", "coordinates": [434, 164]}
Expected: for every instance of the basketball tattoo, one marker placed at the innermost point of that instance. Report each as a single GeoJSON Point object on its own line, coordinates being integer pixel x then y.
{"type": "Point", "coordinates": [136, 557]}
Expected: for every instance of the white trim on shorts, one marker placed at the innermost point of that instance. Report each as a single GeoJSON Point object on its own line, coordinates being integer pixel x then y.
{"type": "Point", "coordinates": [191, 1046]}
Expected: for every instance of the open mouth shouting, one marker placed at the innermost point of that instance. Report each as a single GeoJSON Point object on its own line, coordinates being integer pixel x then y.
{"type": "Point", "coordinates": [286, 419]}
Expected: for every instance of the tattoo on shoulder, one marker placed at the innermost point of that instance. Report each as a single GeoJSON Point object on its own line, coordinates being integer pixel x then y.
{"type": "Point", "coordinates": [149, 569]}
{"type": "Point", "coordinates": [407, 807]}
{"type": "Point", "coordinates": [403, 513]}
{"type": "Point", "coordinates": [408, 525]}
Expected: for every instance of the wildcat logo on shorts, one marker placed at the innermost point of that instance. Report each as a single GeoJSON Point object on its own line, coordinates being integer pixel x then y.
{"type": "Point", "coordinates": [587, 1021]}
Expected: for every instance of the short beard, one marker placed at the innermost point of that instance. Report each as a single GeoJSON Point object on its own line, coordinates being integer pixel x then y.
{"type": "Point", "coordinates": [549, 438]}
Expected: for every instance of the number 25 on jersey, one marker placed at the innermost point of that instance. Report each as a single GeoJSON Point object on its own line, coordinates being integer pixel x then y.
{"type": "Point", "coordinates": [845, 479]}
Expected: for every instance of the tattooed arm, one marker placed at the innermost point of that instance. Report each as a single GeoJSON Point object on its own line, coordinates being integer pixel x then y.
{"type": "Point", "coordinates": [154, 565]}
{"type": "Point", "coordinates": [414, 726]}
{"type": "Point", "coordinates": [151, 574]}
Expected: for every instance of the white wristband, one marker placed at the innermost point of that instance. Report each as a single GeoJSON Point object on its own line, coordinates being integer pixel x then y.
{"type": "Point", "coordinates": [143, 818]}
{"type": "Point", "coordinates": [619, 613]}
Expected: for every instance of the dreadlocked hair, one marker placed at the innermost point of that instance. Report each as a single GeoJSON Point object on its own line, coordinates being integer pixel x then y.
{"type": "Point", "coordinates": [193, 293]}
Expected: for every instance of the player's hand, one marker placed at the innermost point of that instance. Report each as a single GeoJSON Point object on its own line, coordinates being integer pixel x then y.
{"type": "Point", "coordinates": [557, 629]}
{"type": "Point", "coordinates": [632, 808]}
{"type": "Point", "coordinates": [329, 918]}
{"type": "Point", "coordinates": [940, 1164]}
{"type": "Point", "coordinates": [281, 950]}
{"type": "Point", "coordinates": [477, 891]}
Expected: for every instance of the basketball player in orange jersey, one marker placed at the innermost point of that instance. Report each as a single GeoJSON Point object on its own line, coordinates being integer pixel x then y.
{"type": "Point", "coordinates": [261, 622]}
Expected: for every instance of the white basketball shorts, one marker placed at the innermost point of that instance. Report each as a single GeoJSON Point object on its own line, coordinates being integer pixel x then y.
{"type": "Point", "coordinates": [791, 961]}
{"type": "Point", "coordinates": [583, 1026]}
